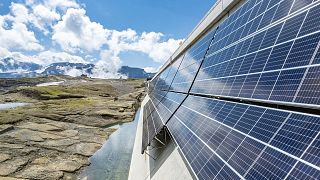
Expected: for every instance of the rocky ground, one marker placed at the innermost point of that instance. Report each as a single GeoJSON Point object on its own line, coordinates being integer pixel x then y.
{"type": "Point", "coordinates": [53, 136]}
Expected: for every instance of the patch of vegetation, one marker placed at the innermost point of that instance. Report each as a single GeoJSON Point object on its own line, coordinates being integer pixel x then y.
{"type": "Point", "coordinates": [12, 116]}
{"type": "Point", "coordinates": [49, 92]}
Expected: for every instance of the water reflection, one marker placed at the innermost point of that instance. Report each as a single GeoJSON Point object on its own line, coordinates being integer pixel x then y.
{"type": "Point", "coordinates": [112, 161]}
{"type": "Point", "coordinates": [11, 105]}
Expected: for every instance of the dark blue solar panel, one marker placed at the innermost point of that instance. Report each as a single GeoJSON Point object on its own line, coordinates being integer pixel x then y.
{"type": "Point", "coordinates": [297, 133]}
{"type": "Point", "coordinates": [268, 16]}
{"type": "Point", "coordinates": [223, 125]}
{"type": "Point", "coordinates": [287, 85]}
{"type": "Point", "coordinates": [245, 155]}
{"type": "Point", "coordinates": [229, 145]}
{"type": "Point", "coordinates": [256, 54]}
{"type": "Point", "coordinates": [184, 78]}
{"type": "Point", "coordinates": [298, 4]}
{"type": "Point", "coordinates": [267, 51]}
{"type": "Point", "coordinates": [190, 64]}
{"type": "Point", "coordinates": [169, 104]}
{"type": "Point", "coordinates": [256, 41]}
{"type": "Point", "coordinates": [312, 154]}
{"type": "Point", "coordinates": [268, 124]}
{"type": "Point", "coordinates": [211, 168]}
{"type": "Point", "coordinates": [265, 85]}
{"type": "Point", "coordinates": [317, 58]}
{"type": "Point", "coordinates": [171, 75]}
{"type": "Point", "coordinates": [311, 22]}
{"type": "Point", "coordinates": [291, 28]}
{"type": "Point", "coordinates": [303, 171]}
{"type": "Point", "coordinates": [226, 173]}
{"type": "Point", "coordinates": [271, 36]}
{"type": "Point", "coordinates": [302, 51]}
{"type": "Point", "coordinates": [263, 6]}
{"type": "Point", "coordinates": [309, 91]}
{"type": "Point", "coordinates": [283, 9]}
{"type": "Point", "coordinates": [260, 60]}
{"type": "Point", "coordinates": [249, 119]}
{"type": "Point", "coordinates": [278, 56]}
{"type": "Point", "coordinates": [271, 165]}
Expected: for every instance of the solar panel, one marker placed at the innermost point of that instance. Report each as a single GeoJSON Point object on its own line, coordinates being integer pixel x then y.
{"type": "Point", "coordinates": [191, 63]}
{"type": "Point", "coordinates": [263, 67]}
{"type": "Point", "coordinates": [152, 124]}
{"type": "Point", "coordinates": [255, 141]}
{"type": "Point", "coordinates": [242, 102]}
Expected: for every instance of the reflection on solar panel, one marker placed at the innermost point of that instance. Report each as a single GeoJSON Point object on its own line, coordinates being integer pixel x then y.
{"type": "Point", "coordinates": [231, 101]}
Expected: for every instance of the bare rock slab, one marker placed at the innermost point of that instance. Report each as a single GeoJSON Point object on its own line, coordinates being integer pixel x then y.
{"type": "Point", "coordinates": [4, 157]}
{"type": "Point", "coordinates": [39, 127]}
{"type": "Point", "coordinates": [85, 149]}
{"type": "Point", "coordinates": [9, 167]}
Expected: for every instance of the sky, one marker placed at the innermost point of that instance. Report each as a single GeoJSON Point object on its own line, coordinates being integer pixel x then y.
{"type": "Point", "coordinates": [108, 33]}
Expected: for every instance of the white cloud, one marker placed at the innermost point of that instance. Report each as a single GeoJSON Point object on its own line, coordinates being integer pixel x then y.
{"type": "Point", "coordinates": [107, 66]}
{"type": "Point", "coordinates": [4, 52]}
{"type": "Point", "coordinates": [61, 4]}
{"type": "Point", "coordinates": [18, 37]}
{"type": "Point", "coordinates": [43, 58]}
{"type": "Point", "coordinates": [54, 4]}
{"type": "Point", "coordinates": [14, 33]}
{"type": "Point", "coordinates": [151, 69]}
{"type": "Point", "coordinates": [76, 32]}
{"type": "Point", "coordinates": [149, 43]}
{"type": "Point", "coordinates": [44, 17]}
{"type": "Point", "coordinates": [66, 23]}
{"type": "Point", "coordinates": [48, 57]}
{"type": "Point", "coordinates": [72, 71]}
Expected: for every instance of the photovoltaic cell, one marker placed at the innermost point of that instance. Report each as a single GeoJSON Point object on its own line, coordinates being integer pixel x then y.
{"type": "Point", "coordinates": [271, 165]}
{"type": "Point", "coordinates": [218, 72]}
{"type": "Point", "coordinates": [266, 51]}
{"type": "Point", "coordinates": [297, 133]}
{"type": "Point", "coordinates": [252, 139]}
{"type": "Point", "coordinates": [190, 64]}
{"type": "Point", "coordinates": [312, 154]}
{"type": "Point", "coordinates": [169, 104]}
{"type": "Point", "coordinates": [310, 88]}
{"type": "Point", "coordinates": [303, 171]}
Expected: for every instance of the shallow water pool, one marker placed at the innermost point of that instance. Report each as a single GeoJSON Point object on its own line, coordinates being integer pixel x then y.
{"type": "Point", "coordinates": [112, 161]}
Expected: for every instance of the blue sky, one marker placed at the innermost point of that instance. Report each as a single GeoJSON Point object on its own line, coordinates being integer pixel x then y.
{"type": "Point", "coordinates": [138, 33]}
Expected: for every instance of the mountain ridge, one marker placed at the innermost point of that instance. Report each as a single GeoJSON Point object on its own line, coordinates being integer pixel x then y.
{"type": "Point", "coordinates": [12, 68]}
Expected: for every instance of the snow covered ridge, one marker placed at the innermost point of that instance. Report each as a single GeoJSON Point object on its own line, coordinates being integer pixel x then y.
{"type": "Point", "coordinates": [12, 68]}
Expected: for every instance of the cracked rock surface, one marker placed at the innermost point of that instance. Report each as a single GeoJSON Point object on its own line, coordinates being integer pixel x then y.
{"type": "Point", "coordinates": [53, 137]}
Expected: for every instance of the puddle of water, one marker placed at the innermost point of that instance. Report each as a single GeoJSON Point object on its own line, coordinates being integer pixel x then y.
{"type": "Point", "coordinates": [50, 84]}
{"type": "Point", "coordinates": [113, 160]}
{"type": "Point", "coordinates": [11, 105]}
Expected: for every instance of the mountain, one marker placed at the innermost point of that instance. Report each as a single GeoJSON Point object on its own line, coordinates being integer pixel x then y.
{"type": "Point", "coordinates": [135, 72]}
{"type": "Point", "coordinates": [9, 64]}
{"type": "Point", "coordinates": [61, 68]}
{"type": "Point", "coordinates": [11, 68]}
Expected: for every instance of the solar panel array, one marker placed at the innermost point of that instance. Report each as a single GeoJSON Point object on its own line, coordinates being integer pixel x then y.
{"type": "Point", "coordinates": [215, 98]}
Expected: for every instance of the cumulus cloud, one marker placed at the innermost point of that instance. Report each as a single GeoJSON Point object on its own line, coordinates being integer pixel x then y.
{"type": "Point", "coordinates": [54, 4]}
{"type": "Point", "coordinates": [75, 37]}
{"type": "Point", "coordinates": [107, 66]}
{"type": "Point", "coordinates": [18, 37]}
{"type": "Point", "coordinates": [49, 57]}
{"type": "Point", "coordinates": [44, 18]}
{"type": "Point", "coordinates": [43, 58]}
{"type": "Point", "coordinates": [150, 43]}
{"type": "Point", "coordinates": [4, 52]}
{"type": "Point", "coordinates": [76, 32]}
{"type": "Point", "coordinates": [151, 69]}
{"type": "Point", "coordinates": [72, 71]}
{"type": "Point", "coordinates": [14, 33]}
